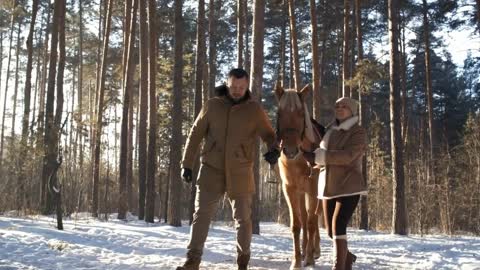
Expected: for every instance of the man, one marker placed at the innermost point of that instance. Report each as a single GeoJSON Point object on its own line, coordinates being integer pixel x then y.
{"type": "Point", "coordinates": [230, 124]}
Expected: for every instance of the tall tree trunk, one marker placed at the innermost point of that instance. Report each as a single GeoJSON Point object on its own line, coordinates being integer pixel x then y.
{"type": "Point", "coordinates": [315, 60]}
{"type": "Point", "coordinates": [363, 114]}
{"type": "Point", "coordinates": [346, 48]}
{"type": "Point", "coordinates": [37, 83]}
{"type": "Point", "coordinates": [50, 154]}
{"type": "Point", "coordinates": [12, 24]}
{"type": "Point", "coordinates": [26, 101]}
{"type": "Point", "coordinates": [101, 32]}
{"type": "Point", "coordinates": [15, 91]}
{"type": "Point", "coordinates": [123, 201]}
{"type": "Point", "coordinates": [199, 75]}
{"type": "Point", "coordinates": [79, 135]}
{"type": "Point", "coordinates": [399, 215]}
{"type": "Point", "coordinates": [43, 82]}
{"type": "Point", "coordinates": [429, 92]}
{"type": "Point", "coordinates": [403, 66]}
{"type": "Point", "coordinates": [212, 44]}
{"type": "Point", "coordinates": [240, 31]}
{"type": "Point", "coordinates": [131, 149]}
{"type": "Point", "coordinates": [247, 38]}
{"type": "Point", "coordinates": [152, 117]}
{"type": "Point", "coordinates": [143, 98]}
{"type": "Point", "coordinates": [174, 211]}
{"type": "Point", "coordinates": [256, 84]}
{"type": "Point", "coordinates": [294, 45]}
{"type": "Point", "coordinates": [282, 214]}
{"type": "Point", "coordinates": [100, 88]}
{"type": "Point", "coordinates": [56, 133]}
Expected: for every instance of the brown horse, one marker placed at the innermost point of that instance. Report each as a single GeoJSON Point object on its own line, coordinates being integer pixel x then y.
{"type": "Point", "coordinates": [297, 134]}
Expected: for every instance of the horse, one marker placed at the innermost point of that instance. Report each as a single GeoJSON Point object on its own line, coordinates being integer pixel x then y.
{"type": "Point", "coordinates": [298, 133]}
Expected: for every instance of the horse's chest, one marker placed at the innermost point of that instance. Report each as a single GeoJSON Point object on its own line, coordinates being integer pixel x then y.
{"type": "Point", "coordinates": [294, 173]}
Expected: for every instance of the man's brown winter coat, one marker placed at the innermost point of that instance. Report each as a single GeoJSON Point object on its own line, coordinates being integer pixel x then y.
{"type": "Point", "coordinates": [230, 132]}
{"type": "Point", "coordinates": [341, 152]}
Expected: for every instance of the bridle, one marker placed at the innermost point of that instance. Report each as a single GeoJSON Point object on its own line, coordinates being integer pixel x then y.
{"type": "Point", "coordinates": [280, 134]}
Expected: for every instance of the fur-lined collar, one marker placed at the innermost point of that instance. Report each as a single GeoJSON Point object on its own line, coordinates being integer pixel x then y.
{"type": "Point", "coordinates": [345, 125]}
{"type": "Point", "coordinates": [222, 90]}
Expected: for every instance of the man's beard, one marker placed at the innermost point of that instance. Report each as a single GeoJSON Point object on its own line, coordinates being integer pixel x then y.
{"type": "Point", "coordinates": [236, 100]}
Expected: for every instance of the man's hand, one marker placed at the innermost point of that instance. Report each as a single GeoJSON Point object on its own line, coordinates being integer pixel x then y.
{"type": "Point", "coordinates": [272, 156]}
{"type": "Point", "coordinates": [309, 157]}
{"type": "Point", "coordinates": [187, 175]}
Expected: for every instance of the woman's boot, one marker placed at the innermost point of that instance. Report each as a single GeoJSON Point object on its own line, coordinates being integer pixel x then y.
{"type": "Point", "coordinates": [340, 246]}
{"type": "Point", "coordinates": [351, 258]}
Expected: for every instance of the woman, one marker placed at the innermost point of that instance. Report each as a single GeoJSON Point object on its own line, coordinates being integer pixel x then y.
{"type": "Point", "coordinates": [340, 183]}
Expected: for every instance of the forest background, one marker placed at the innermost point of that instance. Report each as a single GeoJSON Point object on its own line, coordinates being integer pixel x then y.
{"type": "Point", "coordinates": [97, 98]}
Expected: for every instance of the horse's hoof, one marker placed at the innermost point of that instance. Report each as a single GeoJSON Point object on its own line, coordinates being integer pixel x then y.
{"type": "Point", "coordinates": [309, 263]}
{"type": "Point", "coordinates": [296, 264]}
{"type": "Point", "coordinates": [316, 254]}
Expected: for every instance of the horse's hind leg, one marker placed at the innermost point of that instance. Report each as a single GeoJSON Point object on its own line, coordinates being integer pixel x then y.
{"type": "Point", "coordinates": [295, 225]}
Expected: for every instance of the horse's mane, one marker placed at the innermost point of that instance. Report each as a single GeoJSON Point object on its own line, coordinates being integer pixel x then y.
{"type": "Point", "coordinates": [290, 100]}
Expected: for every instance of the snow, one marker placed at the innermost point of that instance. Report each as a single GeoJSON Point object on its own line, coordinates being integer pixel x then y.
{"type": "Point", "coordinates": [33, 242]}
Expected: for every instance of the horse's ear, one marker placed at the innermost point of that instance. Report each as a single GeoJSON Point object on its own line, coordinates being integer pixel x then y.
{"type": "Point", "coordinates": [304, 92]}
{"type": "Point", "coordinates": [279, 90]}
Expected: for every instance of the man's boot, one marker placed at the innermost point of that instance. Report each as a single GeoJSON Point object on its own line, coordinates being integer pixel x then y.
{"type": "Point", "coordinates": [351, 258]}
{"type": "Point", "coordinates": [242, 261]}
{"type": "Point", "coordinates": [192, 262]}
{"type": "Point", "coordinates": [340, 254]}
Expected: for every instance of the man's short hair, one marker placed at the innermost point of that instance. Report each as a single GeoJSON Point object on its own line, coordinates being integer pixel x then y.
{"type": "Point", "coordinates": [238, 73]}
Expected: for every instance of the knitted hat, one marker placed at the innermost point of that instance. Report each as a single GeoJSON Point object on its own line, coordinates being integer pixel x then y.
{"type": "Point", "coordinates": [351, 103]}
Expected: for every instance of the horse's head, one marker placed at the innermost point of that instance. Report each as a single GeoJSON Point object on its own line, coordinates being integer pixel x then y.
{"type": "Point", "coordinates": [292, 118]}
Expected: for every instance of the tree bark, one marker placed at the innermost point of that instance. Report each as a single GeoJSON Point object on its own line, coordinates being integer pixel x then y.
{"type": "Point", "coordinates": [346, 48]}
{"type": "Point", "coordinates": [429, 93]}
{"type": "Point", "coordinates": [50, 133]}
{"type": "Point", "coordinates": [240, 31]}
{"type": "Point", "coordinates": [399, 217]}
{"type": "Point", "coordinates": [43, 82]}
{"type": "Point", "coordinates": [363, 114]}
{"type": "Point", "coordinates": [315, 61]}
{"type": "Point", "coordinates": [199, 75]}
{"type": "Point", "coordinates": [127, 93]}
{"type": "Point", "coordinates": [12, 24]}
{"type": "Point", "coordinates": [174, 209]}
{"type": "Point", "coordinates": [152, 117]}
{"type": "Point", "coordinates": [212, 44]}
{"type": "Point", "coordinates": [15, 91]}
{"type": "Point", "coordinates": [143, 97]}
{"type": "Point", "coordinates": [79, 135]}
{"type": "Point", "coordinates": [100, 89]}
{"type": "Point", "coordinates": [294, 45]}
{"type": "Point", "coordinates": [256, 84]}
{"type": "Point", "coordinates": [57, 162]}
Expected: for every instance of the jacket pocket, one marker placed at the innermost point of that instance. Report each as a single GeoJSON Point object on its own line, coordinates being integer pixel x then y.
{"type": "Point", "coordinates": [247, 151]}
{"type": "Point", "coordinates": [208, 147]}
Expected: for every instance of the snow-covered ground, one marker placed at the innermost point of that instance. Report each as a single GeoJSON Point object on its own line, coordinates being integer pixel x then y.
{"type": "Point", "coordinates": [86, 243]}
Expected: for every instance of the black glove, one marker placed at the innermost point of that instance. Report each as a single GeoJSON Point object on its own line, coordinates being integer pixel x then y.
{"type": "Point", "coordinates": [309, 157]}
{"type": "Point", "coordinates": [272, 156]}
{"type": "Point", "coordinates": [187, 175]}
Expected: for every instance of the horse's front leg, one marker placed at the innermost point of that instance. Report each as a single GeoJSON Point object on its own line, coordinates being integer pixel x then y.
{"type": "Point", "coordinates": [293, 201]}
{"type": "Point", "coordinates": [312, 229]}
